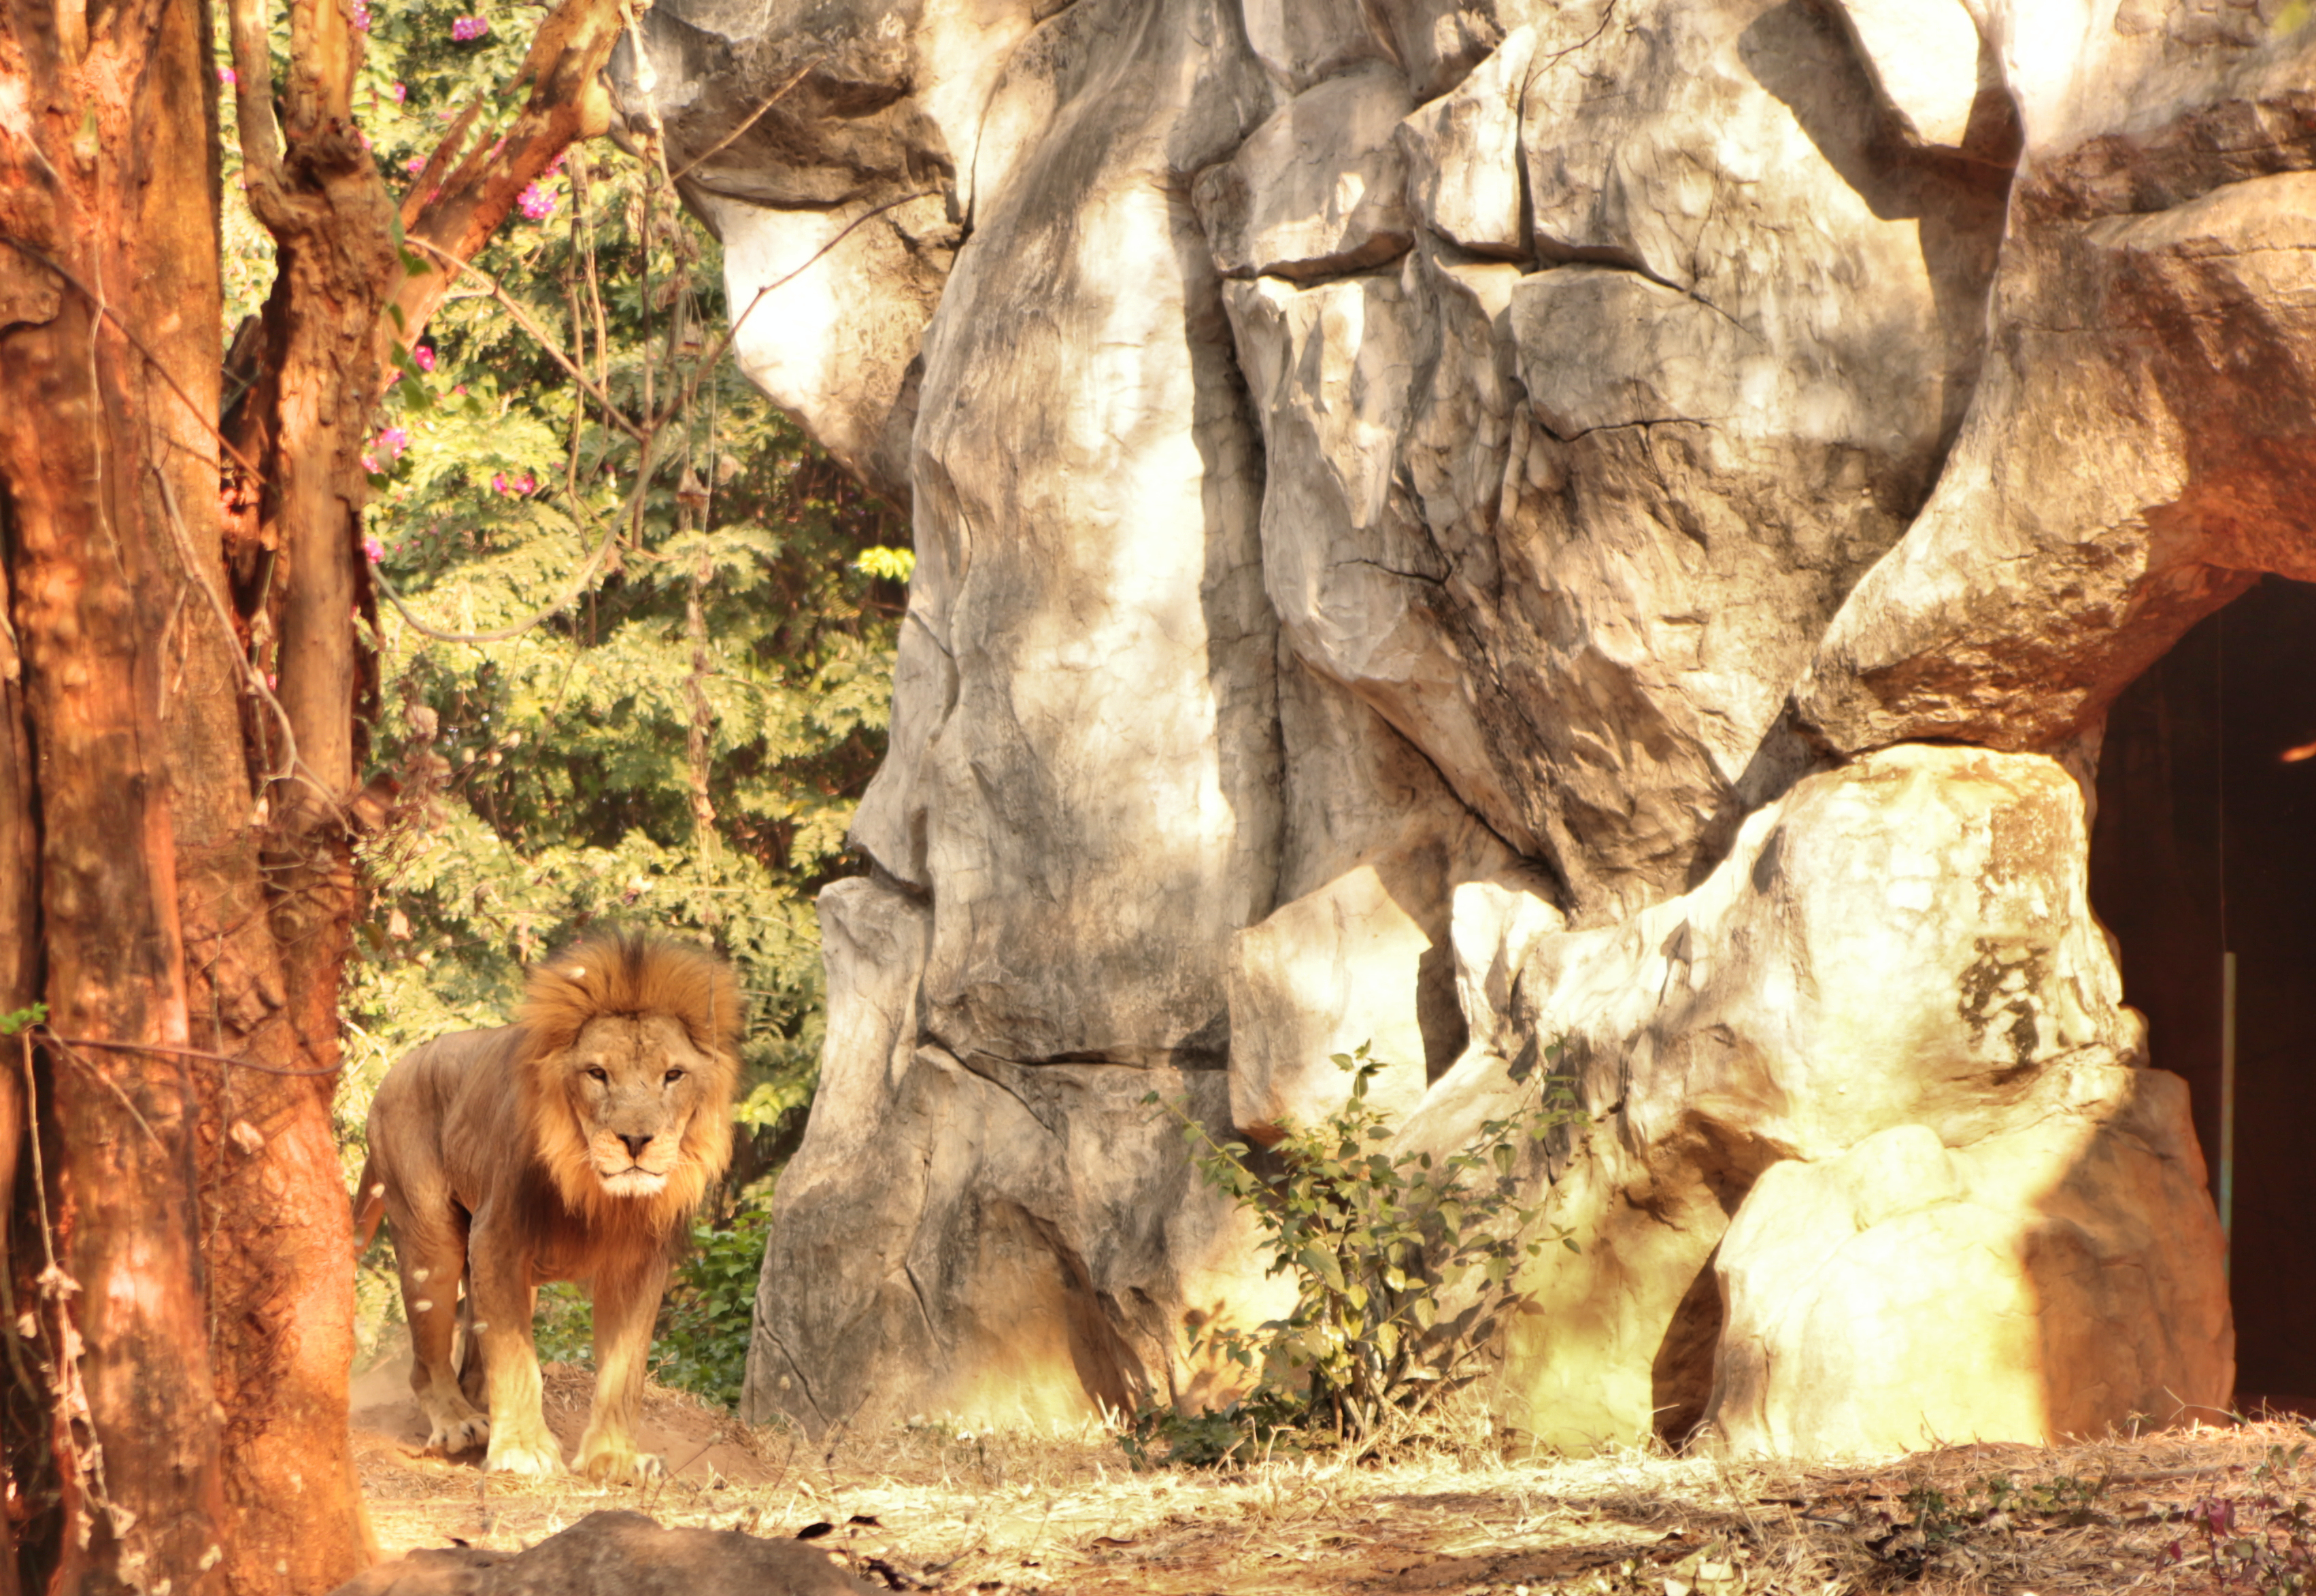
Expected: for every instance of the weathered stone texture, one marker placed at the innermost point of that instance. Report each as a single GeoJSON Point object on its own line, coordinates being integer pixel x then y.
{"type": "Point", "coordinates": [1474, 524]}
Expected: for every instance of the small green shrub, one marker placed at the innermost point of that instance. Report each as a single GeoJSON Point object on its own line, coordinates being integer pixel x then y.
{"type": "Point", "coordinates": [704, 1324]}
{"type": "Point", "coordinates": [1379, 1245]}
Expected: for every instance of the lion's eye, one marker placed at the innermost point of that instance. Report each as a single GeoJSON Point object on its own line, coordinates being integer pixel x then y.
{"type": "Point", "coordinates": [674, 1076]}
{"type": "Point", "coordinates": [597, 1072]}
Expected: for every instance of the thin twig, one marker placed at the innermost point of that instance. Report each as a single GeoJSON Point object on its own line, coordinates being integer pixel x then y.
{"type": "Point", "coordinates": [105, 312]}
{"type": "Point", "coordinates": [721, 145]}
{"type": "Point", "coordinates": [65, 1045]}
{"type": "Point", "coordinates": [523, 319]}
{"type": "Point", "coordinates": [178, 1053]}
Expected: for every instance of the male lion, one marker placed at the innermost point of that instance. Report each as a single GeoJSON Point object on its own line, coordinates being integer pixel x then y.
{"type": "Point", "coordinates": [571, 1145]}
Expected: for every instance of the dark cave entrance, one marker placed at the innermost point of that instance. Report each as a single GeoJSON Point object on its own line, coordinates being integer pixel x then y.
{"type": "Point", "coordinates": [2205, 840]}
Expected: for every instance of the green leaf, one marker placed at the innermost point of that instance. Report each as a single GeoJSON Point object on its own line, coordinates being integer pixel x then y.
{"type": "Point", "coordinates": [1318, 1262]}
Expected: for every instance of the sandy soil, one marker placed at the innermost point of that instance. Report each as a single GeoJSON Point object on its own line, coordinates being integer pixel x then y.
{"type": "Point", "coordinates": [935, 1508]}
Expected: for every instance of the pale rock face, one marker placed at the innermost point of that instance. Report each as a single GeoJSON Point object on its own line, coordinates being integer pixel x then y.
{"type": "Point", "coordinates": [1303, 42]}
{"type": "Point", "coordinates": [1364, 961]}
{"type": "Point", "coordinates": [1317, 190]}
{"type": "Point", "coordinates": [1573, 544]}
{"type": "Point", "coordinates": [1546, 521]}
{"type": "Point", "coordinates": [2056, 559]}
{"type": "Point", "coordinates": [847, 139]}
{"type": "Point", "coordinates": [1463, 155]}
{"type": "Point", "coordinates": [1928, 63]}
{"type": "Point", "coordinates": [1101, 731]}
{"type": "Point", "coordinates": [1906, 1294]}
{"type": "Point", "coordinates": [995, 1242]}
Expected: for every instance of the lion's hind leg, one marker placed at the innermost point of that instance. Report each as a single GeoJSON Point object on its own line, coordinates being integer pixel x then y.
{"type": "Point", "coordinates": [432, 1258]}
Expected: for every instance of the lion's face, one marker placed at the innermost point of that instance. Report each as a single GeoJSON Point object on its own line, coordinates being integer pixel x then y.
{"type": "Point", "coordinates": [633, 1082]}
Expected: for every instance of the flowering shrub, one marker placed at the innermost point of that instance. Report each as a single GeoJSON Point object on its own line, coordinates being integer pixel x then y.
{"type": "Point", "coordinates": [466, 30]}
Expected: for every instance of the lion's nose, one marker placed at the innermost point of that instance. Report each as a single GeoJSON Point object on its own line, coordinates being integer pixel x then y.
{"type": "Point", "coordinates": [635, 1145]}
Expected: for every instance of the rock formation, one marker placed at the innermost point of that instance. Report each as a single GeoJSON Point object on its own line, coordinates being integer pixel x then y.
{"type": "Point", "coordinates": [1476, 523]}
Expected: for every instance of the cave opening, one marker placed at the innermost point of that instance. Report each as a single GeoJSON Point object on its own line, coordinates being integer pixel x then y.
{"type": "Point", "coordinates": [2205, 843]}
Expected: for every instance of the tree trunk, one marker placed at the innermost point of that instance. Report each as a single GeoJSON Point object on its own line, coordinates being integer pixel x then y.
{"type": "Point", "coordinates": [102, 188]}
{"type": "Point", "coordinates": [176, 877]}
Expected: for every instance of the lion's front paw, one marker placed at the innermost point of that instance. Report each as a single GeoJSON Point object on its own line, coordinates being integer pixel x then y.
{"type": "Point", "coordinates": [613, 1460]}
{"type": "Point", "coordinates": [514, 1452]}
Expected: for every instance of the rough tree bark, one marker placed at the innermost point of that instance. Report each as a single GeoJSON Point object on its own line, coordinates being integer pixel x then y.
{"type": "Point", "coordinates": [176, 876]}
{"type": "Point", "coordinates": [110, 236]}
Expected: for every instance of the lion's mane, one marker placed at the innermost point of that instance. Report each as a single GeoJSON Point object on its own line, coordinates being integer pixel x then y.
{"type": "Point", "coordinates": [627, 973]}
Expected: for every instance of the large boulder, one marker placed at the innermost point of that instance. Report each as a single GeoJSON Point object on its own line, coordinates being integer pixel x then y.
{"type": "Point", "coordinates": [1591, 536]}
{"type": "Point", "coordinates": [1749, 1055]}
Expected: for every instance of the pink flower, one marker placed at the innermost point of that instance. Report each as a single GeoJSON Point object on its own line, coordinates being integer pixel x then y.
{"type": "Point", "coordinates": [392, 442]}
{"type": "Point", "coordinates": [460, 389]}
{"type": "Point", "coordinates": [373, 550]}
{"type": "Point", "coordinates": [369, 462]}
{"type": "Point", "coordinates": [399, 92]}
{"type": "Point", "coordinates": [501, 483]}
{"type": "Point", "coordinates": [535, 202]}
{"type": "Point", "coordinates": [228, 77]}
{"type": "Point", "coordinates": [423, 357]}
{"type": "Point", "coordinates": [498, 482]}
{"type": "Point", "coordinates": [414, 165]}
{"type": "Point", "coordinates": [362, 16]}
{"type": "Point", "coordinates": [467, 27]}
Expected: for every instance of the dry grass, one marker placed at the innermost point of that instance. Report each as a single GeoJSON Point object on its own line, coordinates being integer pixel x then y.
{"type": "Point", "coordinates": [938, 1508]}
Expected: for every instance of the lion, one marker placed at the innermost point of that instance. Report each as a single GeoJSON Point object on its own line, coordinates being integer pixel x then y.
{"type": "Point", "coordinates": [572, 1145]}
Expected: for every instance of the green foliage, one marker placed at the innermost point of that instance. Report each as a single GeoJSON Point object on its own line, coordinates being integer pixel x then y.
{"type": "Point", "coordinates": [1160, 1434]}
{"type": "Point", "coordinates": [1403, 1267]}
{"type": "Point", "coordinates": [23, 1019]}
{"type": "Point", "coordinates": [702, 1345]}
{"type": "Point", "coordinates": [894, 564]}
{"type": "Point", "coordinates": [562, 1329]}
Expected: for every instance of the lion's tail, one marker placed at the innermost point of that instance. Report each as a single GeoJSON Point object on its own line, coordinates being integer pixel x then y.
{"type": "Point", "coordinates": [370, 1206]}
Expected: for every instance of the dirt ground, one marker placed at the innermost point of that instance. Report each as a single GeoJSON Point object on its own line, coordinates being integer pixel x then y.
{"type": "Point", "coordinates": [930, 1507]}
